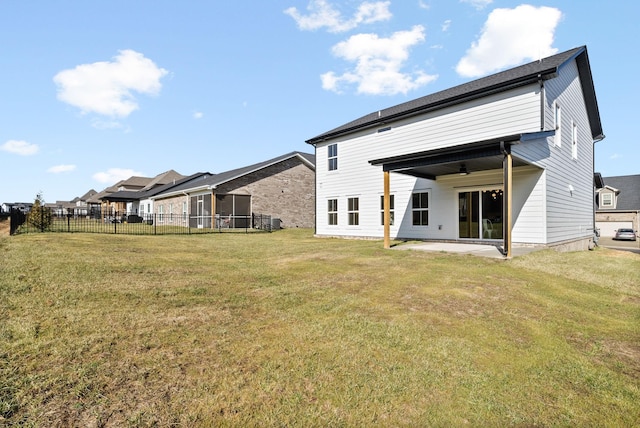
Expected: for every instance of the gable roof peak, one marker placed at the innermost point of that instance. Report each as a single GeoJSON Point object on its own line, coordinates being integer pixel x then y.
{"type": "Point", "coordinates": [544, 68]}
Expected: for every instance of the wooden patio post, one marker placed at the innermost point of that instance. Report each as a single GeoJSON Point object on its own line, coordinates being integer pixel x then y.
{"type": "Point", "coordinates": [387, 211]}
{"type": "Point", "coordinates": [507, 201]}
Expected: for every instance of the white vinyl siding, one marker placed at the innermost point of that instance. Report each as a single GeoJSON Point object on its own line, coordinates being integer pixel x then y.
{"type": "Point", "coordinates": [569, 214]}
{"type": "Point", "coordinates": [544, 209]}
{"type": "Point", "coordinates": [502, 114]}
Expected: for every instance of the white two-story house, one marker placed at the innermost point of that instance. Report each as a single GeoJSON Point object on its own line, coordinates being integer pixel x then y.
{"type": "Point", "coordinates": [504, 159]}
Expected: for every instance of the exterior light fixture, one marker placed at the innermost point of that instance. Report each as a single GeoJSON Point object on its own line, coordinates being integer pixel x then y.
{"type": "Point", "coordinates": [463, 169]}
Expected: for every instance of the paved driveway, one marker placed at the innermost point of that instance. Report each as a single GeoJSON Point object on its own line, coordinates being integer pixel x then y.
{"type": "Point", "coordinates": [633, 246]}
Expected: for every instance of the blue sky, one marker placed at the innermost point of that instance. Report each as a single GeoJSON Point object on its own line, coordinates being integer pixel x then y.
{"type": "Point", "coordinates": [94, 92]}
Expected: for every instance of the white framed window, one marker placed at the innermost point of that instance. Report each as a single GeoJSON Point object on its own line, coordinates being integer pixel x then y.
{"type": "Point", "coordinates": [420, 209]}
{"type": "Point", "coordinates": [332, 156]}
{"type": "Point", "coordinates": [332, 212]}
{"type": "Point", "coordinates": [557, 123]}
{"type": "Point", "coordinates": [574, 140]}
{"type": "Point", "coordinates": [391, 209]}
{"type": "Point", "coordinates": [353, 211]}
{"type": "Point", "coordinates": [161, 213]}
{"type": "Point", "coordinates": [606, 200]}
{"type": "Point", "coordinates": [184, 210]}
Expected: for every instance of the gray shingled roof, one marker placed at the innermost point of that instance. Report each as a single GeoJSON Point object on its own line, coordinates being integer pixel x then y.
{"type": "Point", "coordinates": [629, 187]}
{"type": "Point", "coordinates": [226, 176]}
{"type": "Point", "coordinates": [136, 195]}
{"type": "Point", "coordinates": [223, 177]}
{"type": "Point", "coordinates": [514, 77]}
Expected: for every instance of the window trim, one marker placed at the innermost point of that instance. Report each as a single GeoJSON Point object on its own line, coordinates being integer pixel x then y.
{"type": "Point", "coordinates": [574, 140]}
{"type": "Point", "coordinates": [557, 123]}
{"type": "Point", "coordinates": [332, 214]}
{"type": "Point", "coordinates": [611, 199]}
{"type": "Point", "coordinates": [353, 211]}
{"type": "Point", "coordinates": [332, 157]}
{"type": "Point", "coordinates": [391, 209]}
{"type": "Point", "coordinates": [420, 209]}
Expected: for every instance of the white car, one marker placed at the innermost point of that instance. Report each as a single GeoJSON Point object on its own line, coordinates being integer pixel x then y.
{"type": "Point", "coordinates": [625, 235]}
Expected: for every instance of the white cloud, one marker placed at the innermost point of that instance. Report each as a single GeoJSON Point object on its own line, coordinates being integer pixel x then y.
{"type": "Point", "coordinates": [107, 88]}
{"type": "Point", "coordinates": [323, 14]}
{"type": "Point", "coordinates": [614, 156]}
{"type": "Point", "coordinates": [478, 4]}
{"type": "Point", "coordinates": [20, 148]}
{"type": "Point", "coordinates": [445, 25]}
{"type": "Point", "coordinates": [378, 64]}
{"type": "Point", "coordinates": [61, 168]}
{"type": "Point", "coordinates": [423, 5]}
{"type": "Point", "coordinates": [113, 175]}
{"type": "Point", "coordinates": [198, 115]}
{"type": "Point", "coordinates": [510, 37]}
{"type": "Point", "coordinates": [101, 124]}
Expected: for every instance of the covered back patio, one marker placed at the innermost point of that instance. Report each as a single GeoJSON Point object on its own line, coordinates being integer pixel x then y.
{"type": "Point", "coordinates": [482, 215]}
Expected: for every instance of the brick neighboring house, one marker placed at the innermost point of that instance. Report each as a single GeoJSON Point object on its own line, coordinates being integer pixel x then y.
{"type": "Point", "coordinates": [110, 200]}
{"type": "Point", "coordinates": [618, 204]}
{"type": "Point", "coordinates": [282, 187]}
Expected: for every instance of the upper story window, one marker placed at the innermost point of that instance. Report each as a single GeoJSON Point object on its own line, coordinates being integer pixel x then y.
{"type": "Point", "coordinates": [574, 140]}
{"type": "Point", "coordinates": [332, 151]}
{"type": "Point", "coordinates": [606, 200]}
{"type": "Point", "coordinates": [557, 123]}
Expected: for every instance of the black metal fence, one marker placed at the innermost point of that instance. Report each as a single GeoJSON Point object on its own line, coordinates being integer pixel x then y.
{"type": "Point", "coordinates": [133, 224]}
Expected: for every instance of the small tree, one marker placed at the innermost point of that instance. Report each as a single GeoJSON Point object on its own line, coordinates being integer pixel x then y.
{"type": "Point", "coordinates": [39, 217]}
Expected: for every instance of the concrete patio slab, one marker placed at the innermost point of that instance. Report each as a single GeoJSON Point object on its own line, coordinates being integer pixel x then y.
{"type": "Point", "coordinates": [480, 250]}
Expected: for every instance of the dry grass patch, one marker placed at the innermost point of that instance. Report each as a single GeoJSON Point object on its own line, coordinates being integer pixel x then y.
{"type": "Point", "coordinates": [285, 329]}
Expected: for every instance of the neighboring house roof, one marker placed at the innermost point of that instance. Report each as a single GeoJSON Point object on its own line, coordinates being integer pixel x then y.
{"type": "Point", "coordinates": [224, 177]}
{"type": "Point", "coordinates": [88, 195]}
{"type": "Point", "coordinates": [133, 195]}
{"type": "Point", "coordinates": [164, 178]}
{"type": "Point", "coordinates": [96, 199]}
{"type": "Point", "coordinates": [545, 68]}
{"type": "Point", "coordinates": [628, 187]}
{"type": "Point", "coordinates": [136, 185]}
{"type": "Point", "coordinates": [131, 183]}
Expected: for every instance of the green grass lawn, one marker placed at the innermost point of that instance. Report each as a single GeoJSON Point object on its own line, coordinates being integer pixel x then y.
{"type": "Point", "coordinates": [284, 329]}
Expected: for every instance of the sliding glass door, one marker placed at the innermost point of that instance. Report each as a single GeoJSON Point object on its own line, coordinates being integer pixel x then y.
{"type": "Point", "coordinates": [480, 214]}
